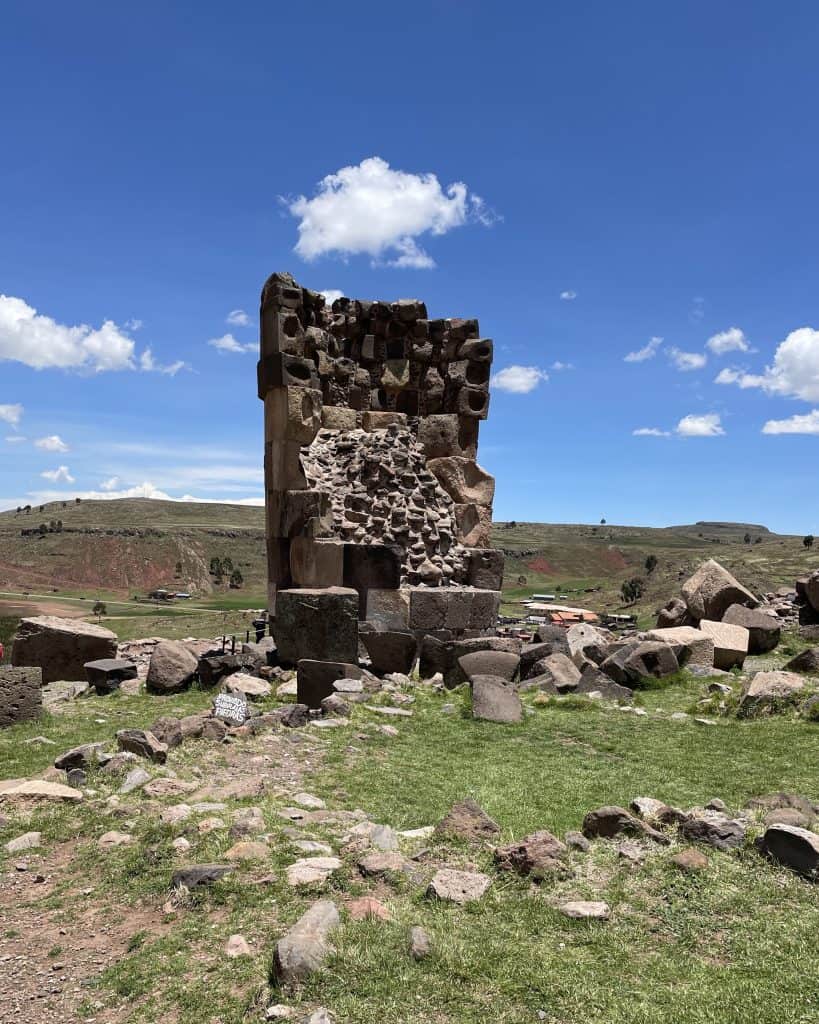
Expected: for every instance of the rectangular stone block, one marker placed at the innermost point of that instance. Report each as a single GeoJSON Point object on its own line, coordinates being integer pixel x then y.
{"type": "Point", "coordinates": [280, 370]}
{"type": "Point", "coordinates": [473, 402]}
{"type": "Point", "coordinates": [371, 567]}
{"type": "Point", "coordinates": [388, 609]}
{"type": "Point", "coordinates": [428, 608]}
{"type": "Point", "coordinates": [443, 435]}
{"type": "Point", "coordinates": [61, 647]}
{"type": "Point", "coordinates": [692, 646]}
{"type": "Point", "coordinates": [314, 679]}
{"type": "Point", "coordinates": [485, 568]}
{"type": "Point", "coordinates": [485, 608]}
{"type": "Point", "coordinates": [317, 563]}
{"type": "Point", "coordinates": [290, 513]}
{"type": "Point", "coordinates": [371, 421]}
{"type": "Point", "coordinates": [730, 643]}
{"type": "Point", "coordinates": [283, 470]}
{"type": "Point", "coordinates": [338, 418]}
{"type": "Point", "coordinates": [281, 331]}
{"type": "Point", "coordinates": [292, 414]}
{"type": "Point", "coordinates": [317, 624]}
{"type": "Point", "coordinates": [20, 695]}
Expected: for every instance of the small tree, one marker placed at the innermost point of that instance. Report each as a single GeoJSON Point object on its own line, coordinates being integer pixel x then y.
{"type": "Point", "coordinates": [602, 522]}
{"type": "Point", "coordinates": [747, 538]}
{"type": "Point", "coordinates": [236, 579]}
{"type": "Point", "coordinates": [808, 541]}
{"type": "Point", "coordinates": [99, 609]}
{"type": "Point", "coordinates": [216, 566]}
{"type": "Point", "coordinates": [43, 529]}
{"type": "Point", "coordinates": [227, 564]}
{"type": "Point", "coordinates": [651, 564]}
{"type": "Point", "coordinates": [632, 590]}
{"type": "Point", "coordinates": [178, 569]}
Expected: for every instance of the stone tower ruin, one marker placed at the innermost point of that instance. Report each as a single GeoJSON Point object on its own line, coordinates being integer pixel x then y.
{"type": "Point", "coordinates": [378, 515]}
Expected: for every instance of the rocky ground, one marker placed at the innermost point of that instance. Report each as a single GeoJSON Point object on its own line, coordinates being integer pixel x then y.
{"type": "Point", "coordinates": [552, 894]}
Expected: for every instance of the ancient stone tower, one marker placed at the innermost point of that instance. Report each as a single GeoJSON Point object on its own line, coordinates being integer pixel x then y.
{"type": "Point", "coordinates": [377, 512]}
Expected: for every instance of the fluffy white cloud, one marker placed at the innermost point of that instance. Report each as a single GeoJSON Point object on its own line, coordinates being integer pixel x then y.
{"type": "Point", "coordinates": [686, 361]}
{"type": "Point", "coordinates": [227, 343]}
{"type": "Point", "coordinates": [238, 318]}
{"type": "Point", "coordinates": [706, 425]}
{"type": "Point", "coordinates": [519, 380]}
{"type": "Point", "coordinates": [53, 443]}
{"type": "Point", "coordinates": [806, 424]}
{"type": "Point", "coordinates": [795, 369]}
{"type": "Point", "coordinates": [732, 340]}
{"type": "Point", "coordinates": [650, 432]}
{"type": "Point", "coordinates": [11, 414]}
{"type": "Point", "coordinates": [371, 208]}
{"type": "Point", "coordinates": [568, 296]}
{"type": "Point", "coordinates": [61, 473]}
{"type": "Point", "coordinates": [144, 490]}
{"type": "Point", "coordinates": [647, 352]}
{"type": "Point", "coordinates": [331, 294]}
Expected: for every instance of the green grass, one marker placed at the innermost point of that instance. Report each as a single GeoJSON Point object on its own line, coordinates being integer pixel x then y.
{"type": "Point", "coordinates": [700, 949]}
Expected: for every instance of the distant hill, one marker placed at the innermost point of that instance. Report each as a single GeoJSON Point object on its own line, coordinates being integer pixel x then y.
{"type": "Point", "coordinates": [130, 546]}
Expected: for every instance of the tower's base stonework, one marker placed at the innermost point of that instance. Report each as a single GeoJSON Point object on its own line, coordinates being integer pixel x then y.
{"type": "Point", "coordinates": [378, 515]}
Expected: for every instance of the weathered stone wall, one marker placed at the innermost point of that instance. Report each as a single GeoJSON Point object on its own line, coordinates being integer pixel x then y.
{"type": "Point", "coordinates": [20, 695]}
{"type": "Point", "coordinates": [372, 413]}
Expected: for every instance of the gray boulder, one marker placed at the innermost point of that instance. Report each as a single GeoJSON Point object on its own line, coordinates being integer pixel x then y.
{"type": "Point", "coordinates": [711, 591]}
{"type": "Point", "coordinates": [770, 690]}
{"type": "Point", "coordinates": [495, 700]}
{"type": "Point", "coordinates": [556, 673]}
{"type": "Point", "coordinates": [764, 631]}
{"type": "Point", "coordinates": [305, 947]}
{"type": "Point", "coordinates": [592, 680]}
{"type": "Point", "coordinates": [713, 829]}
{"type": "Point", "coordinates": [641, 660]}
{"type": "Point", "coordinates": [21, 696]}
{"type": "Point", "coordinates": [795, 848]}
{"type": "Point", "coordinates": [503, 664]}
{"type": "Point", "coordinates": [172, 668]}
{"type": "Point", "coordinates": [61, 647]}
{"type": "Point", "coordinates": [807, 662]}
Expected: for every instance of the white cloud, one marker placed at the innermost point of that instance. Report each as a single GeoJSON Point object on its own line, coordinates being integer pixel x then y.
{"type": "Point", "coordinates": [706, 425]}
{"type": "Point", "coordinates": [28, 337]}
{"type": "Point", "coordinates": [568, 296]}
{"type": "Point", "coordinates": [58, 474]}
{"type": "Point", "coordinates": [54, 443]}
{"type": "Point", "coordinates": [806, 424]}
{"type": "Point", "coordinates": [16, 439]}
{"type": "Point", "coordinates": [795, 369]}
{"type": "Point", "coordinates": [111, 484]}
{"type": "Point", "coordinates": [238, 318]}
{"type": "Point", "coordinates": [647, 352]}
{"type": "Point", "coordinates": [133, 324]}
{"type": "Point", "coordinates": [331, 294]}
{"type": "Point", "coordinates": [227, 343]}
{"type": "Point", "coordinates": [371, 208]}
{"type": "Point", "coordinates": [650, 432]}
{"type": "Point", "coordinates": [686, 361]}
{"type": "Point", "coordinates": [732, 340]}
{"type": "Point", "coordinates": [11, 414]}
{"type": "Point", "coordinates": [148, 364]}
{"type": "Point", "coordinates": [557, 366]}
{"type": "Point", "coordinates": [519, 380]}
{"type": "Point", "coordinates": [143, 490]}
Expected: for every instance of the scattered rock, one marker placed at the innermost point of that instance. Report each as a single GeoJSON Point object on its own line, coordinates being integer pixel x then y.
{"type": "Point", "coordinates": [84, 756]}
{"type": "Point", "coordinates": [689, 861]}
{"type": "Point", "coordinates": [420, 944]}
{"type": "Point", "coordinates": [111, 840]}
{"type": "Point", "coordinates": [367, 907]}
{"type": "Point", "coordinates": [312, 870]}
{"type": "Point", "coordinates": [467, 820]}
{"type": "Point", "coordinates": [610, 821]}
{"type": "Point", "coordinates": [134, 779]}
{"type": "Point", "coordinates": [713, 829]}
{"type": "Point", "coordinates": [540, 854]}
{"type": "Point", "coordinates": [142, 743]}
{"type": "Point", "coordinates": [577, 841]}
{"type": "Point", "coordinates": [770, 691]}
{"type": "Point", "coordinates": [37, 789]}
{"type": "Point", "coordinates": [27, 841]}
{"type": "Point", "coordinates": [236, 946]}
{"type": "Point", "coordinates": [495, 700]}
{"type": "Point", "coordinates": [458, 886]}
{"type": "Point", "coordinates": [795, 848]}
{"type": "Point", "coordinates": [382, 862]}
{"type": "Point", "coordinates": [585, 910]}
{"type": "Point", "coordinates": [199, 875]}
{"type": "Point", "coordinates": [306, 946]}
{"type": "Point", "coordinates": [247, 850]}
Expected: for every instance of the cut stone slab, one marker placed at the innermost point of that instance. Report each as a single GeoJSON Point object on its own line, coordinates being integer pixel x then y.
{"type": "Point", "coordinates": [306, 946]}
{"type": "Point", "coordinates": [711, 591]}
{"type": "Point", "coordinates": [247, 686]}
{"type": "Point", "coordinates": [384, 709]}
{"type": "Point", "coordinates": [458, 886]}
{"type": "Point", "coordinates": [391, 650]}
{"type": "Point", "coordinates": [312, 870]}
{"type": "Point", "coordinates": [593, 681]}
{"type": "Point", "coordinates": [770, 690]}
{"type": "Point", "coordinates": [693, 647]}
{"type": "Point", "coordinates": [36, 789]}
{"type": "Point", "coordinates": [795, 848]}
{"type": "Point", "coordinates": [316, 679]}
{"type": "Point", "coordinates": [172, 668]}
{"type": "Point", "coordinates": [61, 647]}
{"type": "Point", "coordinates": [107, 674]}
{"type": "Point", "coordinates": [142, 743]}
{"type": "Point", "coordinates": [730, 643]}
{"type": "Point", "coordinates": [713, 829]}
{"type": "Point", "coordinates": [585, 910]}
{"type": "Point", "coordinates": [494, 700]}
{"type": "Point", "coordinates": [318, 625]}
{"type": "Point", "coordinates": [764, 631]}
{"type": "Point", "coordinates": [640, 660]}
{"type": "Point", "coordinates": [21, 697]}
{"type": "Point", "coordinates": [554, 673]}
{"type": "Point", "coordinates": [502, 664]}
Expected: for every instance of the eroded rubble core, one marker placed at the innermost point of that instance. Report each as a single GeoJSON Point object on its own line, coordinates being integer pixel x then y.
{"type": "Point", "coordinates": [378, 514]}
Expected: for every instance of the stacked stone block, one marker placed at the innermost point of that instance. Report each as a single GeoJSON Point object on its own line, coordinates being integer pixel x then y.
{"type": "Point", "coordinates": [394, 531]}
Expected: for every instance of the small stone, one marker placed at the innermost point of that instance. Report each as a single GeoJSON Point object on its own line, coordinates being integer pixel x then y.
{"type": "Point", "coordinates": [312, 870]}
{"type": "Point", "coordinates": [367, 907]}
{"type": "Point", "coordinates": [689, 861]}
{"type": "Point", "coordinates": [585, 910]}
{"type": "Point", "coordinates": [175, 814]}
{"type": "Point", "coordinates": [305, 947]}
{"type": "Point", "coordinates": [420, 944]}
{"type": "Point", "coordinates": [458, 886]}
{"type": "Point", "coordinates": [381, 863]}
{"type": "Point", "coordinates": [27, 841]}
{"type": "Point", "coordinates": [716, 805]}
{"type": "Point", "coordinates": [577, 841]}
{"type": "Point", "coordinates": [237, 946]}
{"type": "Point", "coordinates": [279, 1011]}
{"type": "Point", "coordinates": [113, 839]}
{"type": "Point", "coordinates": [309, 801]}
{"type": "Point", "coordinates": [134, 779]}
{"type": "Point", "coordinates": [181, 845]}
{"type": "Point", "coordinates": [631, 852]}
{"type": "Point", "coordinates": [247, 850]}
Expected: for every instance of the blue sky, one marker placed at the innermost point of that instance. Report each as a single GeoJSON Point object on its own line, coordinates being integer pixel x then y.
{"type": "Point", "coordinates": [621, 172]}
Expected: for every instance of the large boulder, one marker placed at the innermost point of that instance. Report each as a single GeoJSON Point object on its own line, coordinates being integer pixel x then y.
{"type": "Point", "coordinates": [495, 700]}
{"type": "Point", "coordinates": [691, 646]}
{"type": "Point", "coordinates": [556, 673]}
{"type": "Point", "coordinates": [490, 663]}
{"type": "Point", "coordinates": [172, 668]}
{"type": "Point", "coordinates": [796, 848]}
{"type": "Point", "coordinates": [391, 650]}
{"type": "Point", "coordinates": [21, 697]}
{"type": "Point", "coordinates": [730, 643]}
{"type": "Point", "coordinates": [811, 585]}
{"type": "Point", "coordinates": [770, 690]}
{"type": "Point", "coordinates": [107, 675]}
{"type": "Point", "coordinates": [531, 654]}
{"type": "Point", "coordinates": [764, 631]}
{"type": "Point", "coordinates": [807, 662]}
{"type": "Point", "coordinates": [711, 591]}
{"type": "Point", "coordinates": [673, 615]}
{"type": "Point", "coordinates": [61, 647]}
{"type": "Point", "coordinates": [588, 643]}
{"type": "Point", "coordinates": [641, 660]}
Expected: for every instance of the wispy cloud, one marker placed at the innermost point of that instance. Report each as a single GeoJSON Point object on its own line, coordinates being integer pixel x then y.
{"type": "Point", "coordinates": [53, 443]}
{"type": "Point", "coordinates": [227, 343]}
{"type": "Point", "coordinates": [687, 361]}
{"type": "Point", "coordinates": [648, 351]}
{"type": "Point", "coordinates": [60, 474]}
{"type": "Point", "coordinates": [568, 296]}
{"type": "Point", "coordinates": [237, 318]}
{"type": "Point", "coordinates": [11, 414]}
{"type": "Point", "coordinates": [650, 432]}
{"type": "Point", "coordinates": [808, 423]}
